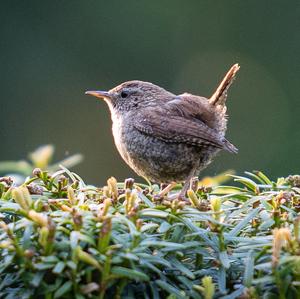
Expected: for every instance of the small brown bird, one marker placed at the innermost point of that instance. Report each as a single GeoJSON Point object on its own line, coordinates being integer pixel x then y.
{"type": "Point", "coordinates": [165, 137]}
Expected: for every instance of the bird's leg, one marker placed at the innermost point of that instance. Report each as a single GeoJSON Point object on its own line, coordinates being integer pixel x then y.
{"type": "Point", "coordinates": [186, 186]}
{"type": "Point", "coordinates": [167, 189]}
{"type": "Point", "coordinates": [182, 193]}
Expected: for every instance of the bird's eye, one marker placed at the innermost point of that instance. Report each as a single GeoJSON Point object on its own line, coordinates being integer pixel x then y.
{"type": "Point", "coordinates": [124, 94]}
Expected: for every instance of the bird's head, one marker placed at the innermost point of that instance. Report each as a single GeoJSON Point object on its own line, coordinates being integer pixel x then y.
{"type": "Point", "coordinates": [131, 95]}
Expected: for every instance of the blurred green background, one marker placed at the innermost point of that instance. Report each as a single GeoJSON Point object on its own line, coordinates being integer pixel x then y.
{"type": "Point", "coordinates": [52, 51]}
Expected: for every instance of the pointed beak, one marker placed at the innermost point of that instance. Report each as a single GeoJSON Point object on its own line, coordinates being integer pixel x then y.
{"type": "Point", "coordinates": [98, 93]}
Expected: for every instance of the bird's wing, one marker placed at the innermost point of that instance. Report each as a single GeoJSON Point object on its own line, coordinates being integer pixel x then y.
{"type": "Point", "coordinates": [172, 127]}
{"type": "Point", "coordinates": [193, 107]}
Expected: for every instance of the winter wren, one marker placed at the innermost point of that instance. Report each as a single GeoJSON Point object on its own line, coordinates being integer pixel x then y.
{"type": "Point", "coordinates": [165, 137]}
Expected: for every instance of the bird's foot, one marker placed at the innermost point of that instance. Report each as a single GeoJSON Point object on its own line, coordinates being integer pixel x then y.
{"type": "Point", "coordinates": [166, 190]}
{"type": "Point", "coordinates": [181, 196]}
{"type": "Point", "coordinates": [189, 183]}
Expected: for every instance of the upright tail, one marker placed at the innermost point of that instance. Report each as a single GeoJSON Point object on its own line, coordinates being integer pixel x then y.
{"type": "Point", "coordinates": [220, 95]}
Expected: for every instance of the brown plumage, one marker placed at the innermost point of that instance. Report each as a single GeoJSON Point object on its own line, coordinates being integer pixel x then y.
{"type": "Point", "coordinates": [166, 137]}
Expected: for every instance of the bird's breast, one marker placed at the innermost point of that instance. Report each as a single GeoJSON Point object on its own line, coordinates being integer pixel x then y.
{"type": "Point", "coordinates": [119, 137]}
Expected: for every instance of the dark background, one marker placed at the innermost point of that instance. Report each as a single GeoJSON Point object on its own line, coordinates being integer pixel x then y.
{"type": "Point", "coordinates": [52, 51]}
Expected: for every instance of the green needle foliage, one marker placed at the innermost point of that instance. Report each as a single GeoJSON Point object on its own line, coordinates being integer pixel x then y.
{"type": "Point", "coordinates": [62, 238]}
